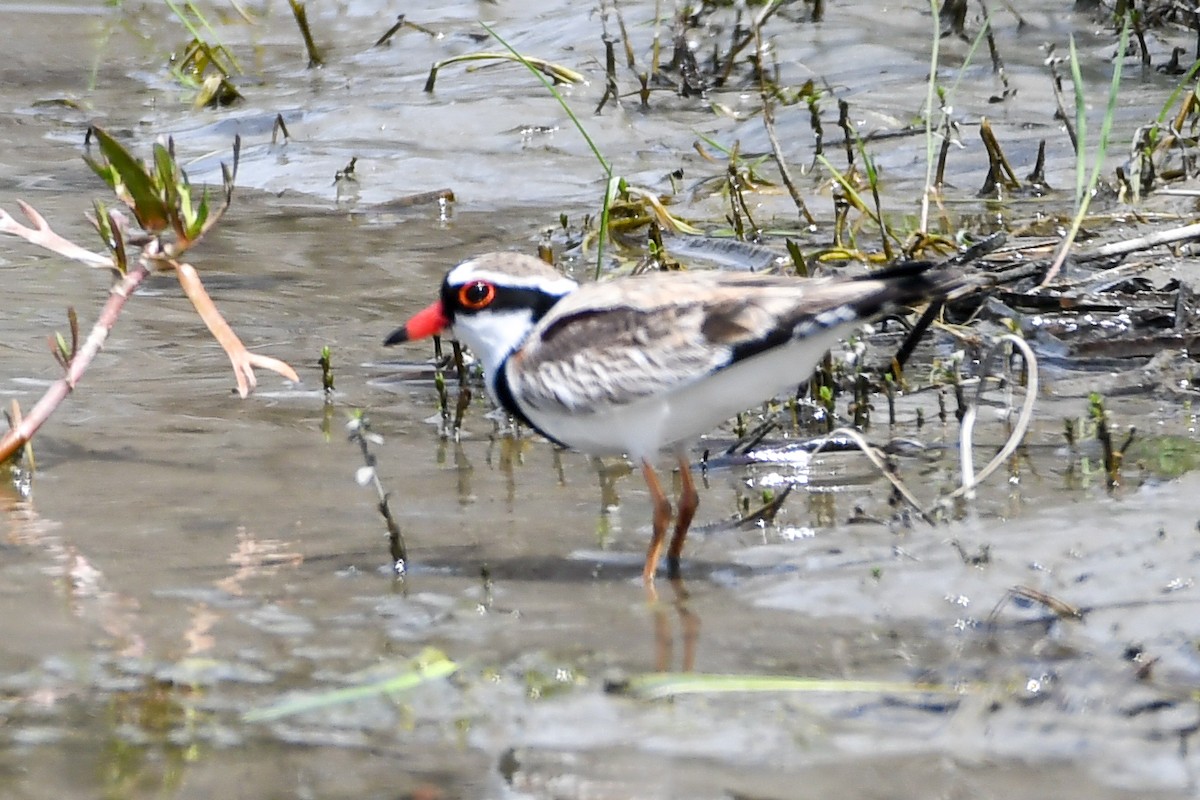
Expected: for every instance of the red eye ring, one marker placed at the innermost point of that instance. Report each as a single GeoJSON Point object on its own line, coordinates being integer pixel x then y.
{"type": "Point", "coordinates": [476, 295]}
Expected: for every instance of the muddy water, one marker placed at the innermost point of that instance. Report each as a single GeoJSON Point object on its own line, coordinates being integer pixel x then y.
{"type": "Point", "coordinates": [186, 556]}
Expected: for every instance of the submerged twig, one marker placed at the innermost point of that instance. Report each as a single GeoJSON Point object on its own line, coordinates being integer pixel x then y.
{"type": "Point", "coordinates": [1061, 103]}
{"type": "Point", "coordinates": [1000, 171]}
{"type": "Point", "coordinates": [403, 22]}
{"type": "Point", "coordinates": [610, 77]}
{"type": "Point", "coordinates": [326, 364]}
{"type": "Point", "coordinates": [1114, 456]}
{"type": "Point", "coordinates": [1061, 608]}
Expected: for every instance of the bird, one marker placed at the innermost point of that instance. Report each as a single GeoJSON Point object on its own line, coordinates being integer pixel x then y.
{"type": "Point", "coordinates": [645, 363]}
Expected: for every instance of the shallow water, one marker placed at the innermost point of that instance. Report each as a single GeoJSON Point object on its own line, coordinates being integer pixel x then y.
{"type": "Point", "coordinates": [186, 556]}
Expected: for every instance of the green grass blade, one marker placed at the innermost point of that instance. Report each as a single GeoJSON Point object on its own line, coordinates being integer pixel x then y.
{"type": "Point", "coordinates": [430, 665]}
{"type": "Point", "coordinates": [1085, 186]}
{"type": "Point", "coordinates": [1185, 84]}
{"type": "Point", "coordinates": [947, 100]}
{"type": "Point", "coordinates": [852, 193]}
{"type": "Point", "coordinates": [660, 685]}
{"type": "Point", "coordinates": [1110, 110]}
{"type": "Point", "coordinates": [557, 96]}
{"type": "Point", "coordinates": [1080, 124]}
{"type": "Point", "coordinates": [604, 163]}
{"type": "Point", "coordinates": [970, 56]}
{"type": "Point", "coordinates": [187, 23]}
{"type": "Point", "coordinates": [168, 176]}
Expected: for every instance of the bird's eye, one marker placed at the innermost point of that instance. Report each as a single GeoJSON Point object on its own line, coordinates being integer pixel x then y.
{"type": "Point", "coordinates": [477, 295]}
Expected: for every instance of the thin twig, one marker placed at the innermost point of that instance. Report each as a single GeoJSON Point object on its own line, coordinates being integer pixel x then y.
{"type": "Point", "coordinates": [1181, 234]}
{"type": "Point", "coordinates": [360, 433]}
{"type": "Point", "coordinates": [1061, 608]}
{"type": "Point", "coordinates": [873, 456]}
{"type": "Point", "coordinates": [1060, 101]}
{"type": "Point", "coordinates": [24, 430]}
{"type": "Point", "coordinates": [42, 236]}
{"type": "Point", "coordinates": [768, 115]}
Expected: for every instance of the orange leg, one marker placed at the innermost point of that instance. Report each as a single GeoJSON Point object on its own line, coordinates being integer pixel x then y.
{"type": "Point", "coordinates": [662, 515]}
{"type": "Point", "coordinates": [689, 499]}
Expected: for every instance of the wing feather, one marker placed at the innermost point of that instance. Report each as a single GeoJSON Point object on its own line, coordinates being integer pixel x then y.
{"type": "Point", "coordinates": [597, 358]}
{"type": "Point", "coordinates": [616, 342]}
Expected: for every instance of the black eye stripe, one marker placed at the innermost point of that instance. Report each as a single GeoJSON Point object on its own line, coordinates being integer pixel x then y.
{"type": "Point", "coordinates": [507, 298]}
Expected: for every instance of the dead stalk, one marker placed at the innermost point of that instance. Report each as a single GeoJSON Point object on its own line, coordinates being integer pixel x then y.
{"type": "Point", "coordinates": [769, 123]}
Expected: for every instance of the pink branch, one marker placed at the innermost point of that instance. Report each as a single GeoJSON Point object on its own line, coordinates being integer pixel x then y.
{"type": "Point", "coordinates": [152, 258]}
{"type": "Point", "coordinates": [23, 431]}
{"type": "Point", "coordinates": [41, 235]}
{"type": "Point", "coordinates": [242, 359]}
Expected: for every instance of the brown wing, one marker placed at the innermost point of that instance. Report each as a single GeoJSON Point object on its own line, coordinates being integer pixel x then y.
{"type": "Point", "coordinates": [616, 342]}
{"type": "Point", "coordinates": [619, 341]}
{"type": "Point", "coordinates": [593, 358]}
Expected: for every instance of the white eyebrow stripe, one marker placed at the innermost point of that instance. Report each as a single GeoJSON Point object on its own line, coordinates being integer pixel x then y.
{"type": "Point", "coordinates": [468, 271]}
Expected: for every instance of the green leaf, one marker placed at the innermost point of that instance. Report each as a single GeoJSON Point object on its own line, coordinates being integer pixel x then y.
{"type": "Point", "coordinates": [118, 245]}
{"type": "Point", "coordinates": [134, 184]}
{"type": "Point", "coordinates": [105, 171]}
{"type": "Point", "coordinates": [166, 174]}
{"type": "Point", "coordinates": [184, 204]}
{"type": "Point", "coordinates": [197, 224]}
{"type": "Point", "coordinates": [103, 225]}
{"type": "Point", "coordinates": [64, 350]}
{"type": "Point", "coordinates": [797, 257]}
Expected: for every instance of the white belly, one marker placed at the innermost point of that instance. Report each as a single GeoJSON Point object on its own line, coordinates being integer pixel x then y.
{"type": "Point", "coordinates": [641, 429]}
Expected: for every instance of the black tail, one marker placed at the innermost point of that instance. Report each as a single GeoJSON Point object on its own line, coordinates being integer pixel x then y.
{"type": "Point", "coordinates": [923, 280]}
{"type": "Point", "coordinates": [900, 269]}
{"type": "Point", "coordinates": [918, 281]}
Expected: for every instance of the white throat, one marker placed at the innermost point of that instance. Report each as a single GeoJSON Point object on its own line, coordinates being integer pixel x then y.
{"type": "Point", "coordinates": [492, 336]}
